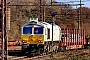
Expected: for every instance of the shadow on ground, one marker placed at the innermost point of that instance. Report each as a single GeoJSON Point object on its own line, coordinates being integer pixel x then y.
{"type": "Point", "coordinates": [15, 53]}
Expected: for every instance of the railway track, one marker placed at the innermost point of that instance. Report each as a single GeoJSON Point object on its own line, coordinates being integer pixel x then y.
{"type": "Point", "coordinates": [27, 58]}
{"type": "Point", "coordinates": [69, 54]}
{"type": "Point", "coordinates": [15, 54]}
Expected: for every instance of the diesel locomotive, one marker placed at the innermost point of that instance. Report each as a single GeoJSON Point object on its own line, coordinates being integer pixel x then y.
{"type": "Point", "coordinates": [37, 36]}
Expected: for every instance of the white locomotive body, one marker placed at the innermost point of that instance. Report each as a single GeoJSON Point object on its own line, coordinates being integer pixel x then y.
{"type": "Point", "coordinates": [48, 32]}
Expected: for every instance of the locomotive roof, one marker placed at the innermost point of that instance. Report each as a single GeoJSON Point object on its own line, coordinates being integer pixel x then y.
{"type": "Point", "coordinates": [43, 24]}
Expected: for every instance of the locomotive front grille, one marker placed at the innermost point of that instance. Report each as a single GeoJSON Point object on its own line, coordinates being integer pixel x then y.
{"type": "Point", "coordinates": [33, 39]}
{"type": "Point", "coordinates": [36, 39]}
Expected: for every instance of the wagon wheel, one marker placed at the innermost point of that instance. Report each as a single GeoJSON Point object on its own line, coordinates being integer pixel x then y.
{"type": "Point", "coordinates": [41, 50]}
{"type": "Point", "coordinates": [62, 49]}
{"type": "Point", "coordinates": [84, 46]}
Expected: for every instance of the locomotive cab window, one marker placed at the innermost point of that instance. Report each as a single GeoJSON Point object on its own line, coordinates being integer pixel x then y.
{"type": "Point", "coordinates": [38, 30]}
{"type": "Point", "coordinates": [27, 30]}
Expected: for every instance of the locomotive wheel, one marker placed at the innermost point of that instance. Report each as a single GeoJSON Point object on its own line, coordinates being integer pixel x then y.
{"type": "Point", "coordinates": [41, 50]}
{"type": "Point", "coordinates": [83, 46]}
{"type": "Point", "coordinates": [45, 49]}
{"type": "Point", "coordinates": [56, 50]}
{"type": "Point", "coordinates": [62, 49]}
{"type": "Point", "coordinates": [48, 48]}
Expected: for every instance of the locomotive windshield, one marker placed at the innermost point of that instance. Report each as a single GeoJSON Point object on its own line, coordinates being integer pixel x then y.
{"type": "Point", "coordinates": [27, 30]}
{"type": "Point", "coordinates": [38, 30]}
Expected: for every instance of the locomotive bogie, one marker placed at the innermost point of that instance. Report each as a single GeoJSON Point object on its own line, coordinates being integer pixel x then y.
{"type": "Point", "coordinates": [32, 48]}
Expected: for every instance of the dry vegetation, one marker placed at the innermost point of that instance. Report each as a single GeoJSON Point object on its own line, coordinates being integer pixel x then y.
{"type": "Point", "coordinates": [66, 17]}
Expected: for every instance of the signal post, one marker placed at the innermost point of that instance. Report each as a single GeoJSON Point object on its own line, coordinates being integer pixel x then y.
{"type": "Point", "coordinates": [3, 29]}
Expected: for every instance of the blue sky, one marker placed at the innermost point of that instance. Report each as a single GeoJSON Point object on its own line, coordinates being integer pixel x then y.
{"type": "Point", "coordinates": [85, 2]}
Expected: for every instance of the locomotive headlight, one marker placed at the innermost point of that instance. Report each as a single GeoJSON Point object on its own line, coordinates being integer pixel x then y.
{"type": "Point", "coordinates": [40, 41]}
{"type": "Point", "coordinates": [24, 41]}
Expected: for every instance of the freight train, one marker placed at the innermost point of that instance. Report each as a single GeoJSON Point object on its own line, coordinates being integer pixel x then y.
{"type": "Point", "coordinates": [38, 37]}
